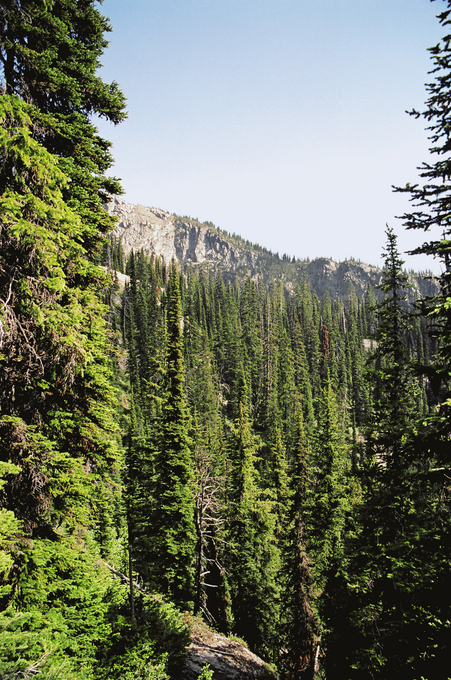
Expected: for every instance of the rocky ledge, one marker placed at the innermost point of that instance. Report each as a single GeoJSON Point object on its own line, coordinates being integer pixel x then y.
{"type": "Point", "coordinates": [227, 658]}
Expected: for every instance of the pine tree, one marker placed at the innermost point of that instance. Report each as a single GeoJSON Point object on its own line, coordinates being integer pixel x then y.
{"type": "Point", "coordinates": [392, 383]}
{"type": "Point", "coordinates": [49, 55]}
{"type": "Point", "coordinates": [251, 337]}
{"type": "Point", "coordinates": [430, 213]}
{"type": "Point", "coordinates": [329, 495]}
{"type": "Point", "coordinates": [53, 349]}
{"type": "Point", "coordinates": [358, 392]}
{"type": "Point", "coordinates": [300, 626]}
{"type": "Point", "coordinates": [254, 560]}
{"type": "Point", "coordinates": [390, 597]}
{"type": "Point", "coordinates": [431, 200]}
{"type": "Point", "coordinates": [302, 378]}
{"type": "Point", "coordinates": [171, 529]}
{"type": "Point", "coordinates": [57, 396]}
{"type": "Point", "coordinates": [253, 557]}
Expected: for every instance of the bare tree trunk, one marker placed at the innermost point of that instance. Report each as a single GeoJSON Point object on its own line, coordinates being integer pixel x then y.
{"type": "Point", "coordinates": [132, 596]}
{"type": "Point", "coordinates": [130, 568]}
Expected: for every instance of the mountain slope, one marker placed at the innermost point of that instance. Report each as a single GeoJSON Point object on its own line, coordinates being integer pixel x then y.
{"type": "Point", "coordinates": [202, 244]}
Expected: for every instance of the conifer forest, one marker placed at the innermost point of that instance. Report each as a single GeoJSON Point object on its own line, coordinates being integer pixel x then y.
{"type": "Point", "coordinates": [195, 445]}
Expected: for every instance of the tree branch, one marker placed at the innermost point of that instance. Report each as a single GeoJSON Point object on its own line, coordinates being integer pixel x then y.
{"type": "Point", "coordinates": [125, 578]}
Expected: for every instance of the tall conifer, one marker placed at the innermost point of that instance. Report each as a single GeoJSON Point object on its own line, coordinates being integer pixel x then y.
{"type": "Point", "coordinates": [56, 387]}
{"type": "Point", "coordinates": [172, 529]}
{"type": "Point", "coordinates": [300, 626]}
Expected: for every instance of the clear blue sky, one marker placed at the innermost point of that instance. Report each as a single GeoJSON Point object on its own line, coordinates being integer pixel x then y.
{"type": "Point", "coordinates": [281, 120]}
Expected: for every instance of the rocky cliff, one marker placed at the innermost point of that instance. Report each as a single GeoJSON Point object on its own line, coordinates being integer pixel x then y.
{"type": "Point", "coordinates": [201, 244]}
{"type": "Point", "coordinates": [169, 236]}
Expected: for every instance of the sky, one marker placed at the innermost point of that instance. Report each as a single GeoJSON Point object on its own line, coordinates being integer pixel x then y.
{"type": "Point", "coordinates": [283, 121]}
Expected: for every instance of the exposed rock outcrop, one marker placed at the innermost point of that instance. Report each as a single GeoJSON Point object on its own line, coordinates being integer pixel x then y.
{"type": "Point", "coordinates": [192, 243]}
{"type": "Point", "coordinates": [228, 659]}
{"type": "Point", "coordinates": [161, 233]}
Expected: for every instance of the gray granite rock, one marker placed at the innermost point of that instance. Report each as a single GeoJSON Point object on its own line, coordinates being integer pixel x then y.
{"type": "Point", "coordinates": [192, 243]}
{"type": "Point", "coordinates": [227, 658]}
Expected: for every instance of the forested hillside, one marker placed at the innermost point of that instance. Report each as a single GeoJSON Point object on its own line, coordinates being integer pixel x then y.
{"type": "Point", "coordinates": [198, 444]}
{"type": "Point", "coordinates": [258, 420]}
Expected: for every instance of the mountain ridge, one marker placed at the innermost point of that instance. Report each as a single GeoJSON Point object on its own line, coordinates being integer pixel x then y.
{"type": "Point", "coordinates": [193, 243]}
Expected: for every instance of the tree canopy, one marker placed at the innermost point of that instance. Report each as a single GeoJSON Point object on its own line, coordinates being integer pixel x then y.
{"type": "Point", "coordinates": [198, 442]}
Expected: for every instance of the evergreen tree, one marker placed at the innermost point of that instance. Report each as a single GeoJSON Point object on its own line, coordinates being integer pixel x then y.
{"type": "Point", "coordinates": [431, 200]}
{"type": "Point", "coordinates": [49, 56]}
{"type": "Point", "coordinates": [254, 559]}
{"type": "Point", "coordinates": [357, 388]}
{"type": "Point", "coordinates": [299, 623]}
{"type": "Point", "coordinates": [392, 383]}
{"type": "Point", "coordinates": [302, 378]}
{"type": "Point", "coordinates": [430, 213]}
{"type": "Point", "coordinates": [171, 529]}
{"type": "Point", "coordinates": [251, 338]}
{"type": "Point", "coordinates": [57, 395]}
{"type": "Point", "coordinates": [329, 496]}
{"type": "Point", "coordinates": [54, 343]}
{"type": "Point", "coordinates": [389, 598]}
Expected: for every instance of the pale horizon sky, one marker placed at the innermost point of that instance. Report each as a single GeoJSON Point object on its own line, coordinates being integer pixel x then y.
{"type": "Point", "coordinates": [280, 120]}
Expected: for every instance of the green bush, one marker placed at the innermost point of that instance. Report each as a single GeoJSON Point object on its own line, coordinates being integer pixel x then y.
{"type": "Point", "coordinates": [148, 648]}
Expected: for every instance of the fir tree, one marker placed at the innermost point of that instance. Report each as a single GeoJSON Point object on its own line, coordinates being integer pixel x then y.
{"type": "Point", "coordinates": [389, 597]}
{"type": "Point", "coordinates": [49, 56]}
{"type": "Point", "coordinates": [57, 396]}
{"type": "Point", "coordinates": [171, 530]}
{"type": "Point", "coordinates": [329, 497]}
{"type": "Point", "coordinates": [430, 213]}
{"type": "Point", "coordinates": [300, 626]}
{"type": "Point", "coordinates": [254, 560]}
{"type": "Point", "coordinates": [392, 384]}
{"type": "Point", "coordinates": [431, 202]}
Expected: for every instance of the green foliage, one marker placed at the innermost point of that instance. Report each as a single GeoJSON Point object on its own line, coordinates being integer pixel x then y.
{"type": "Point", "coordinates": [43, 320]}
{"type": "Point", "coordinates": [393, 387]}
{"type": "Point", "coordinates": [207, 673]}
{"type": "Point", "coordinates": [9, 530]}
{"type": "Point", "coordinates": [431, 200]}
{"type": "Point", "coordinates": [173, 519]}
{"type": "Point", "coordinates": [160, 461]}
{"type": "Point", "coordinates": [387, 586]}
{"type": "Point", "coordinates": [254, 559]}
{"type": "Point", "coordinates": [28, 648]}
{"type": "Point", "coordinates": [61, 581]}
{"type": "Point", "coordinates": [58, 440]}
{"type": "Point", "coordinates": [50, 54]}
{"type": "Point", "coordinates": [151, 647]}
{"type": "Point", "coordinates": [61, 618]}
{"type": "Point", "coordinates": [330, 498]}
{"type": "Point", "coordinates": [243, 425]}
{"type": "Point", "coordinates": [276, 443]}
{"type": "Point", "coordinates": [56, 642]}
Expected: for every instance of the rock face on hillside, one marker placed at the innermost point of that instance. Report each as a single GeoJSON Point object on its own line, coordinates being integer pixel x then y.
{"type": "Point", "coordinates": [191, 243]}
{"type": "Point", "coordinates": [163, 234]}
